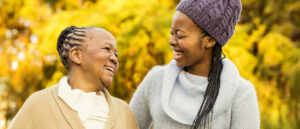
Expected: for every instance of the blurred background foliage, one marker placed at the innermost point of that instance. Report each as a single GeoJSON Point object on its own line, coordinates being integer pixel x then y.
{"type": "Point", "coordinates": [265, 48]}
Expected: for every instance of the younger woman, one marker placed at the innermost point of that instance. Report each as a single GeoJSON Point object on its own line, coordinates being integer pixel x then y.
{"type": "Point", "coordinates": [199, 88]}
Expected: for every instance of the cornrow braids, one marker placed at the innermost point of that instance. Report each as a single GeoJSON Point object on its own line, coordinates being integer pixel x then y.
{"type": "Point", "coordinates": [70, 37]}
{"type": "Point", "coordinates": [204, 115]}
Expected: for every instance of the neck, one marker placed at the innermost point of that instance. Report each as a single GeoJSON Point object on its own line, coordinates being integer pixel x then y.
{"type": "Point", "coordinates": [77, 80]}
{"type": "Point", "coordinates": [201, 68]}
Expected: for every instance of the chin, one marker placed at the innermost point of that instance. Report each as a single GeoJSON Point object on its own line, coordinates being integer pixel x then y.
{"type": "Point", "coordinates": [180, 64]}
{"type": "Point", "coordinates": [108, 82]}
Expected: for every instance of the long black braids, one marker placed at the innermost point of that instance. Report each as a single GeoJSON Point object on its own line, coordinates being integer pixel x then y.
{"type": "Point", "coordinates": [204, 116]}
{"type": "Point", "coordinates": [70, 37]}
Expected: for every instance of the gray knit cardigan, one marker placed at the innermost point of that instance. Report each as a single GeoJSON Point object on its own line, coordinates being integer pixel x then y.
{"type": "Point", "coordinates": [236, 106]}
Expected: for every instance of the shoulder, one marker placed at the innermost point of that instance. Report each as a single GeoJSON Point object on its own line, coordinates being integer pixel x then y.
{"type": "Point", "coordinates": [154, 76]}
{"type": "Point", "coordinates": [123, 114]}
{"type": "Point", "coordinates": [230, 74]}
{"type": "Point", "coordinates": [121, 105]}
{"type": "Point", "coordinates": [34, 109]}
{"type": "Point", "coordinates": [246, 91]}
{"type": "Point", "coordinates": [245, 85]}
{"type": "Point", "coordinates": [118, 101]}
{"type": "Point", "coordinates": [154, 79]}
{"type": "Point", "coordinates": [156, 71]}
{"type": "Point", "coordinates": [39, 97]}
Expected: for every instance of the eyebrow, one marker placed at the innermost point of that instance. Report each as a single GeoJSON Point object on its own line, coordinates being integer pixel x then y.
{"type": "Point", "coordinates": [110, 44]}
{"type": "Point", "coordinates": [180, 30]}
{"type": "Point", "coordinates": [176, 30]}
{"type": "Point", "coordinates": [106, 42]}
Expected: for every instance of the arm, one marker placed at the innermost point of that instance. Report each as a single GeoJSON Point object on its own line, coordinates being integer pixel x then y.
{"type": "Point", "coordinates": [140, 104]}
{"type": "Point", "coordinates": [245, 110]}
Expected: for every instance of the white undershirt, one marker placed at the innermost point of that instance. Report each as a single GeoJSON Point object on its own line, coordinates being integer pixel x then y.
{"type": "Point", "coordinates": [91, 108]}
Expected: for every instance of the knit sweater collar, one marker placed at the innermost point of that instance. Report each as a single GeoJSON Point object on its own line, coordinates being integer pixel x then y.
{"type": "Point", "coordinates": [194, 79]}
{"type": "Point", "coordinates": [193, 84]}
{"type": "Point", "coordinates": [229, 76]}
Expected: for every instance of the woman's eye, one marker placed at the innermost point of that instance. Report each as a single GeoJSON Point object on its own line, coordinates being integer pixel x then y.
{"type": "Point", "coordinates": [107, 48]}
{"type": "Point", "coordinates": [179, 37]}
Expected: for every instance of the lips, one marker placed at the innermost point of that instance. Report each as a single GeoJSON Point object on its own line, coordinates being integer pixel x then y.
{"type": "Point", "coordinates": [177, 54]}
{"type": "Point", "coordinates": [110, 68]}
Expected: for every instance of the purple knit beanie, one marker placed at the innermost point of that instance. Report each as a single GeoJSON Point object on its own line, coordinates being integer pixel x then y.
{"type": "Point", "coordinates": [216, 17]}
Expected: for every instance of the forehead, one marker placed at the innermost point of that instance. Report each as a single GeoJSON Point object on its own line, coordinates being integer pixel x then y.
{"type": "Point", "coordinates": [97, 35]}
{"type": "Point", "coordinates": [182, 21]}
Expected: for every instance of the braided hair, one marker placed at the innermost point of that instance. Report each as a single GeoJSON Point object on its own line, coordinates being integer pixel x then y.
{"type": "Point", "coordinates": [204, 115]}
{"type": "Point", "coordinates": [70, 37]}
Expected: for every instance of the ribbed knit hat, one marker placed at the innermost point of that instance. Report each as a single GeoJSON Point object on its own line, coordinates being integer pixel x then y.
{"type": "Point", "coordinates": [216, 17]}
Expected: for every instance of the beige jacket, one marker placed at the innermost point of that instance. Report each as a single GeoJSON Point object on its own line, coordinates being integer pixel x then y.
{"type": "Point", "coordinates": [45, 110]}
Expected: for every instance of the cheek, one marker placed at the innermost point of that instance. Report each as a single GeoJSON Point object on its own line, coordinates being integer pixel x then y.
{"type": "Point", "coordinates": [96, 61]}
{"type": "Point", "coordinates": [117, 67]}
{"type": "Point", "coordinates": [194, 52]}
{"type": "Point", "coordinates": [101, 57]}
{"type": "Point", "coordinates": [191, 48]}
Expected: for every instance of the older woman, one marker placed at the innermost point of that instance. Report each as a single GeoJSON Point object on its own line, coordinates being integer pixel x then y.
{"type": "Point", "coordinates": [200, 88]}
{"type": "Point", "coordinates": [80, 99]}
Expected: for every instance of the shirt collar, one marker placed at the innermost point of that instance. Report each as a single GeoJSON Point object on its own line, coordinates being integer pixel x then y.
{"type": "Point", "coordinates": [77, 99]}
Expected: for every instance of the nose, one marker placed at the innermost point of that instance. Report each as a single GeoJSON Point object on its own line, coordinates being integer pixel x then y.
{"type": "Point", "coordinates": [172, 41]}
{"type": "Point", "coordinates": [113, 57]}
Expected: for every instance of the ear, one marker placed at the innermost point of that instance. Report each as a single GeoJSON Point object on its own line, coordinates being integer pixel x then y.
{"type": "Point", "coordinates": [209, 42]}
{"type": "Point", "coordinates": [75, 55]}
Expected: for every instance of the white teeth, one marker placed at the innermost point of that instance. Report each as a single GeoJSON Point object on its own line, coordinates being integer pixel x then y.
{"type": "Point", "coordinates": [177, 54]}
{"type": "Point", "coordinates": [109, 68]}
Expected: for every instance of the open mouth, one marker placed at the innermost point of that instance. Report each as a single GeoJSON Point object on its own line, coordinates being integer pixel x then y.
{"type": "Point", "coordinates": [111, 69]}
{"type": "Point", "coordinates": [177, 54]}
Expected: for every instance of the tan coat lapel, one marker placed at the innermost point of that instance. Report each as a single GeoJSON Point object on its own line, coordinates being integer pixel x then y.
{"type": "Point", "coordinates": [70, 115]}
{"type": "Point", "coordinates": [111, 114]}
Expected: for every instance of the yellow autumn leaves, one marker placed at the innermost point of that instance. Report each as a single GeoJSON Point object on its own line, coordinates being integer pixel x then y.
{"type": "Point", "coordinates": [262, 49]}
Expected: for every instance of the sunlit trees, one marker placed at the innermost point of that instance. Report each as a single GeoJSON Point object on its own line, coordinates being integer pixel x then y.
{"type": "Point", "coordinates": [265, 48]}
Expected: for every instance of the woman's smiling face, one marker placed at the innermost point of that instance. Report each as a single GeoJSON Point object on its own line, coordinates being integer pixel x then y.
{"type": "Point", "coordinates": [187, 41]}
{"type": "Point", "coordinates": [100, 57]}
